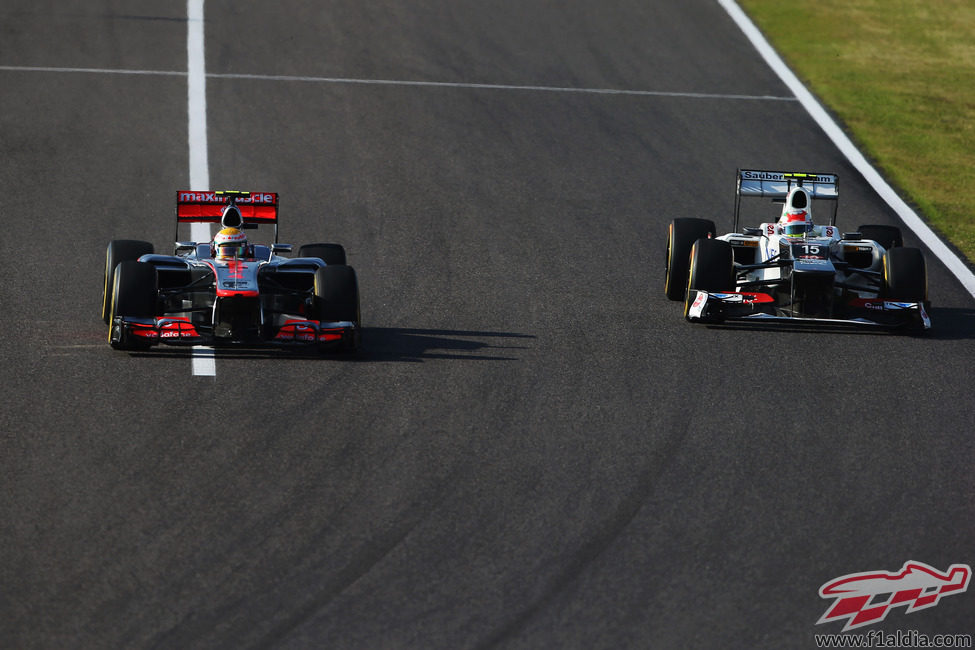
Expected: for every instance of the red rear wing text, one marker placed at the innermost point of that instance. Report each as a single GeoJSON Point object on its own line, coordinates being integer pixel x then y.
{"type": "Point", "coordinates": [207, 207]}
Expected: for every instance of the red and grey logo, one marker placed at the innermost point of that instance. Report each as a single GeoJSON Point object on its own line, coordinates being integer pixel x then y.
{"type": "Point", "coordinates": [866, 598]}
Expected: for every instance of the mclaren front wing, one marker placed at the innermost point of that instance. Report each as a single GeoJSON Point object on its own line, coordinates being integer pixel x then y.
{"type": "Point", "coordinates": [127, 332]}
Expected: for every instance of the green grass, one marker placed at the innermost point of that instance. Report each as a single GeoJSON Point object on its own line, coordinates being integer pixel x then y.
{"type": "Point", "coordinates": [900, 74]}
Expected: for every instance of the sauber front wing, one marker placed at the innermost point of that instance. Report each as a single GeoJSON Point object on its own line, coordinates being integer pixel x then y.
{"type": "Point", "coordinates": [180, 331]}
{"type": "Point", "coordinates": [716, 307]}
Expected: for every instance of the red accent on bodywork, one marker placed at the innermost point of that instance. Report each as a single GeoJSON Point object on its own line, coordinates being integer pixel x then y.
{"type": "Point", "coordinates": [233, 292]}
{"type": "Point", "coordinates": [297, 331]}
{"type": "Point", "coordinates": [757, 297]}
{"type": "Point", "coordinates": [304, 330]}
{"type": "Point", "coordinates": [198, 213]}
{"type": "Point", "coordinates": [207, 207]}
{"type": "Point", "coordinates": [236, 268]}
{"type": "Point", "coordinates": [164, 328]}
{"type": "Point", "coordinates": [144, 331]}
{"type": "Point", "coordinates": [174, 328]}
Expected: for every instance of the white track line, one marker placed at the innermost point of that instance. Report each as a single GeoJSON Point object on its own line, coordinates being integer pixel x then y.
{"type": "Point", "coordinates": [407, 83]}
{"type": "Point", "coordinates": [204, 362]}
{"type": "Point", "coordinates": [910, 218]}
{"type": "Point", "coordinates": [41, 68]}
{"type": "Point", "coordinates": [476, 86]}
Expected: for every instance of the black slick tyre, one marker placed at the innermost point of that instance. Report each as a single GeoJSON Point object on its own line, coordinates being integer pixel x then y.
{"type": "Point", "coordinates": [905, 275]}
{"type": "Point", "coordinates": [712, 268]}
{"type": "Point", "coordinates": [328, 253]}
{"type": "Point", "coordinates": [681, 235]}
{"type": "Point", "coordinates": [133, 295]}
{"type": "Point", "coordinates": [887, 236]}
{"type": "Point", "coordinates": [337, 298]}
{"type": "Point", "coordinates": [119, 250]}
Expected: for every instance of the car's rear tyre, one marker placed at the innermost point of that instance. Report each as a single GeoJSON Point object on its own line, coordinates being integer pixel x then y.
{"type": "Point", "coordinates": [905, 275]}
{"type": "Point", "coordinates": [133, 295]}
{"type": "Point", "coordinates": [712, 268]}
{"type": "Point", "coordinates": [328, 253]}
{"type": "Point", "coordinates": [887, 236]}
{"type": "Point", "coordinates": [119, 250]}
{"type": "Point", "coordinates": [681, 235]}
{"type": "Point", "coordinates": [337, 298]}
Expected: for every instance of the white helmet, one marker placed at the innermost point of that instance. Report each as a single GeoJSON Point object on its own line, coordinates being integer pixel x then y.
{"type": "Point", "coordinates": [229, 242]}
{"type": "Point", "coordinates": [796, 219]}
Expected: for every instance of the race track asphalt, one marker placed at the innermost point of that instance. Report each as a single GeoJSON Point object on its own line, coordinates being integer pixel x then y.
{"type": "Point", "coordinates": [534, 449]}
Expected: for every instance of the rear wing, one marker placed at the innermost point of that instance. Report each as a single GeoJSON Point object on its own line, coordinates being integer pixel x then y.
{"type": "Point", "coordinates": [255, 208]}
{"type": "Point", "coordinates": [776, 185]}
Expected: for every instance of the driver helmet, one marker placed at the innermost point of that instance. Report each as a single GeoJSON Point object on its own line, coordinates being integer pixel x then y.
{"type": "Point", "coordinates": [796, 219]}
{"type": "Point", "coordinates": [229, 242]}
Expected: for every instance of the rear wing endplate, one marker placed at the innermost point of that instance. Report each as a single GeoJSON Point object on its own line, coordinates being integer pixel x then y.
{"type": "Point", "coordinates": [256, 208]}
{"type": "Point", "coordinates": [759, 183]}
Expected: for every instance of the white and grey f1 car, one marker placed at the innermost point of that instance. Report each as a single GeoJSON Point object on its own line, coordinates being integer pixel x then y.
{"type": "Point", "coordinates": [792, 269]}
{"type": "Point", "coordinates": [230, 293]}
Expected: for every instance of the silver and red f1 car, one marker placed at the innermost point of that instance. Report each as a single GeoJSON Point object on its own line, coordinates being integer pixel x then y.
{"type": "Point", "coordinates": [792, 269]}
{"type": "Point", "coordinates": [253, 297]}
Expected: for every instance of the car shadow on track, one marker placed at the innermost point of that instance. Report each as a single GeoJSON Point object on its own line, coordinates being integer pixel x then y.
{"type": "Point", "coordinates": [409, 344]}
{"type": "Point", "coordinates": [388, 344]}
{"type": "Point", "coordinates": [952, 323]}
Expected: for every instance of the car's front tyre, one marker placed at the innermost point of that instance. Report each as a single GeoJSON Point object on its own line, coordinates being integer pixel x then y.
{"type": "Point", "coordinates": [887, 236]}
{"type": "Point", "coordinates": [905, 275]}
{"type": "Point", "coordinates": [328, 253]}
{"type": "Point", "coordinates": [681, 235]}
{"type": "Point", "coordinates": [133, 295]}
{"type": "Point", "coordinates": [119, 250]}
{"type": "Point", "coordinates": [337, 298]}
{"type": "Point", "coordinates": [712, 268]}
